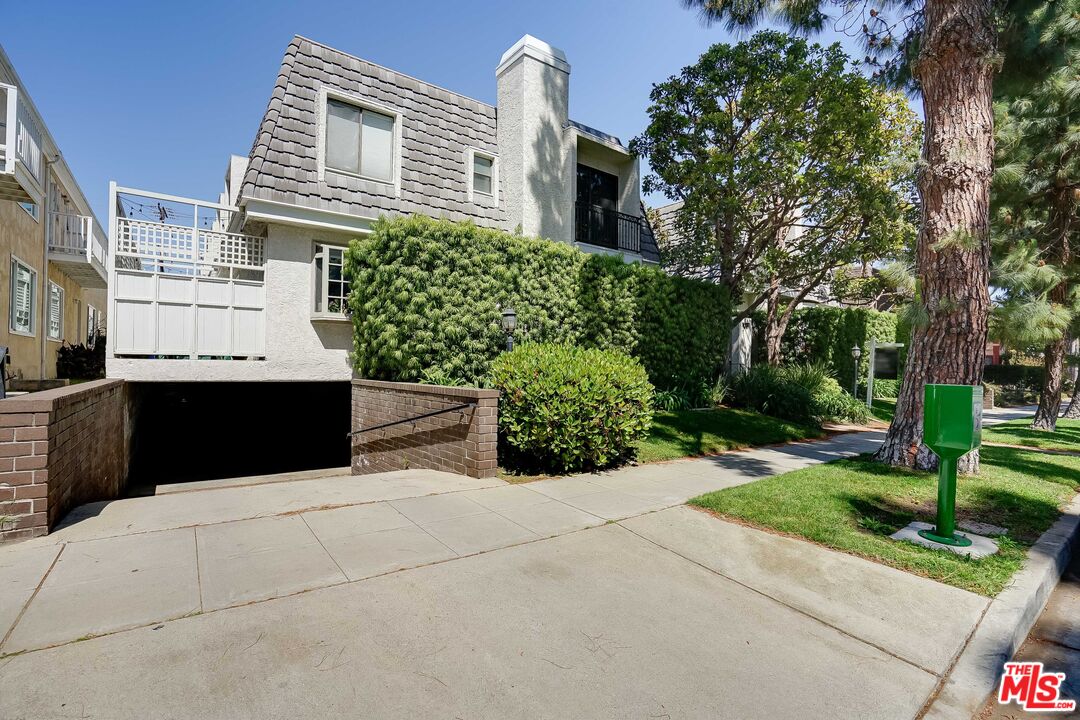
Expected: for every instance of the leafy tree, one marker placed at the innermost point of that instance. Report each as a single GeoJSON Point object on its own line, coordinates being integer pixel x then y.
{"type": "Point", "coordinates": [1036, 225]}
{"type": "Point", "coordinates": [947, 51]}
{"type": "Point", "coordinates": [788, 164]}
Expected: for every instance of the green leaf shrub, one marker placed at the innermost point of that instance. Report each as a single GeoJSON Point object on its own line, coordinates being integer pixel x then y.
{"type": "Point", "coordinates": [426, 298]}
{"type": "Point", "coordinates": [801, 392]}
{"type": "Point", "coordinates": [565, 408]}
{"type": "Point", "coordinates": [825, 334]}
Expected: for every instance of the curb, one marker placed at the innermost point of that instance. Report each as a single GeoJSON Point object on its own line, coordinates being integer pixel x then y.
{"type": "Point", "coordinates": [1007, 622]}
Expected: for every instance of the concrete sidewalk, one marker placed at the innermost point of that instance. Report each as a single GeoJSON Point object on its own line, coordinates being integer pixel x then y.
{"type": "Point", "coordinates": [642, 618]}
{"type": "Point", "coordinates": [128, 563]}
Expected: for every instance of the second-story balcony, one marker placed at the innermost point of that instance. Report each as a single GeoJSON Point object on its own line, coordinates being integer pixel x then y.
{"type": "Point", "coordinates": [79, 248]}
{"type": "Point", "coordinates": [20, 150]}
{"type": "Point", "coordinates": [606, 228]}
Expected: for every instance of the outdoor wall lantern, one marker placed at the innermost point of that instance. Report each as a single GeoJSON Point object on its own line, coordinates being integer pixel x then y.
{"type": "Point", "coordinates": [509, 324]}
{"type": "Point", "coordinates": [856, 353]}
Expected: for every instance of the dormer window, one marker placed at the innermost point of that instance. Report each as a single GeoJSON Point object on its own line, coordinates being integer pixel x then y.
{"type": "Point", "coordinates": [483, 175]}
{"type": "Point", "coordinates": [359, 141]}
{"type": "Point", "coordinates": [482, 167]}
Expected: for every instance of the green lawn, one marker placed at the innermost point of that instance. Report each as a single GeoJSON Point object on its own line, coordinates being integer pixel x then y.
{"type": "Point", "coordinates": [883, 408]}
{"type": "Point", "coordinates": [684, 433]}
{"type": "Point", "coordinates": [1019, 432]}
{"type": "Point", "coordinates": [854, 505]}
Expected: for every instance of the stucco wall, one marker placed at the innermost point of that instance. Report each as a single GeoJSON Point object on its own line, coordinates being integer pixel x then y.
{"type": "Point", "coordinates": [22, 236]}
{"type": "Point", "coordinates": [624, 167]}
{"type": "Point", "coordinates": [298, 347]}
{"type": "Point", "coordinates": [535, 152]}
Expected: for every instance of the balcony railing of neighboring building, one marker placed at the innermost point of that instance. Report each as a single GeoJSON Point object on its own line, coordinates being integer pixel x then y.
{"type": "Point", "coordinates": [607, 228]}
{"type": "Point", "coordinates": [20, 142]}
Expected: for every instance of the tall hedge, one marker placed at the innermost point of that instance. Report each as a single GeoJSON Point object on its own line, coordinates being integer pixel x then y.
{"type": "Point", "coordinates": [827, 334]}
{"type": "Point", "coordinates": [426, 296]}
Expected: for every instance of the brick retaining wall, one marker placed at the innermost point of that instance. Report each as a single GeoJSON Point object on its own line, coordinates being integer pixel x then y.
{"type": "Point", "coordinates": [462, 442]}
{"type": "Point", "coordinates": [58, 449]}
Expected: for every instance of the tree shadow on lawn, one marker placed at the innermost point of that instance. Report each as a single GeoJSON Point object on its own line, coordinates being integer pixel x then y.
{"type": "Point", "coordinates": [1025, 518]}
{"type": "Point", "coordinates": [1062, 437]}
{"type": "Point", "coordinates": [729, 429]}
{"type": "Point", "coordinates": [1059, 472]}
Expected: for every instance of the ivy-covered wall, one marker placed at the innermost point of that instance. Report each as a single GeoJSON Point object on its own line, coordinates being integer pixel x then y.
{"type": "Point", "coordinates": [827, 334]}
{"type": "Point", "coordinates": [426, 299]}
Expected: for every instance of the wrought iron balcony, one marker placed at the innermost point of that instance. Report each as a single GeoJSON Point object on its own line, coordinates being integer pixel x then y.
{"type": "Point", "coordinates": [606, 228]}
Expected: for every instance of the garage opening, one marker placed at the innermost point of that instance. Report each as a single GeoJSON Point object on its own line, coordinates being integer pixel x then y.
{"type": "Point", "coordinates": [186, 432]}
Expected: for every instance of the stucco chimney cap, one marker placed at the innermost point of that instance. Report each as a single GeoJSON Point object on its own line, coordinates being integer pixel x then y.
{"type": "Point", "coordinates": [529, 46]}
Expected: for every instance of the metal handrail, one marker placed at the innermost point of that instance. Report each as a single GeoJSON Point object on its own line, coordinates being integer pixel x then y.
{"type": "Point", "coordinates": [454, 408]}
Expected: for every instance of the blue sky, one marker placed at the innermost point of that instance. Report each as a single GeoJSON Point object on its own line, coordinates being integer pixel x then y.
{"type": "Point", "coordinates": [157, 95]}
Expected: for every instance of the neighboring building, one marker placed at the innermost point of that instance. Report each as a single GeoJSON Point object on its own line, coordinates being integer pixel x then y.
{"type": "Point", "coordinates": [251, 287]}
{"type": "Point", "coordinates": [55, 254]}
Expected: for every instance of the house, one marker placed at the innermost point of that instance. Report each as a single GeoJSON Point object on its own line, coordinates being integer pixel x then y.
{"type": "Point", "coordinates": [208, 296]}
{"type": "Point", "coordinates": [250, 287]}
{"type": "Point", "coordinates": [55, 262]}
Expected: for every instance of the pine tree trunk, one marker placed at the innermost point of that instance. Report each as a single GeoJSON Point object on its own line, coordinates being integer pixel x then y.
{"type": "Point", "coordinates": [1073, 411]}
{"type": "Point", "coordinates": [955, 72]}
{"type": "Point", "coordinates": [1050, 398]}
{"type": "Point", "coordinates": [1058, 250]}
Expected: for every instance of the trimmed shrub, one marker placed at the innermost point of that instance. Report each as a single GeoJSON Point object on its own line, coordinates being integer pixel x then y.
{"type": "Point", "coordinates": [1024, 376]}
{"type": "Point", "coordinates": [426, 296]}
{"type": "Point", "coordinates": [566, 408]}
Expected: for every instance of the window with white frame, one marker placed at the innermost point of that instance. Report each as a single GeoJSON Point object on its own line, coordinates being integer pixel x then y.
{"type": "Point", "coordinates": [482, 171]}
{"type": "Point", "coordinates": [331, 287]}
{"type": "Point", "coordinates": [23, 291]}
{"type": "Point", "coordinates": [30, 208]}
{"type": "Point", "coordinates": [483, 174]}
{"type": "Point", "coordinates": [359, 141]}
{"type": "Point", "coordinates": [56, 312]}
{"type": "Point", "coordinates": [92, 328]}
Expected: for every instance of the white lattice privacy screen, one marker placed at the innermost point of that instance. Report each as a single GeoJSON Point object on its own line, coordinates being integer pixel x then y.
{"type": "Point", "coordinates": [192, 290]}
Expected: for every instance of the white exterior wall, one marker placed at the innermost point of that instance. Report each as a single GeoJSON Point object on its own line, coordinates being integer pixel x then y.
{"type": "Point", "coordinates": [298, 348]}
{"type": "Point", "coordinates": [535, 153]}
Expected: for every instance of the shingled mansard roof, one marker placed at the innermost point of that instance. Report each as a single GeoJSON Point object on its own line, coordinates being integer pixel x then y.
{"type": "Point", "coordinates": [436, 128]}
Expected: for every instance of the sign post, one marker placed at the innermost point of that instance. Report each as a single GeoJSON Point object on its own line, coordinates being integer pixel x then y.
{"type": "Point", "coordinates": [884, 363]}
{"type": "Point", "coordinates": [952, 427]}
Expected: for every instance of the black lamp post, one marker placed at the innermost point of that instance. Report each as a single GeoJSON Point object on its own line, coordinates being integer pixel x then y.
{"type": "Point", "coordinates": [855, 353]}
{"type": "Point", "coordinates": [509, 323]}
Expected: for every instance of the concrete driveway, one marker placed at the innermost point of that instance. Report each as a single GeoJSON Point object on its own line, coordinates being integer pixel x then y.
{"type": "Point", "coordinates": [594, 597]}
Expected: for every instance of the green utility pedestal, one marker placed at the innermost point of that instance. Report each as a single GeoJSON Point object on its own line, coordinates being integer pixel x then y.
{"type": "Point", "coordinates": [952, 426]}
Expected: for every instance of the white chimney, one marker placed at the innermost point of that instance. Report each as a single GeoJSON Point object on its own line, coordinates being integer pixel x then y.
{"type": "Point", "coordinates": [535, 158]}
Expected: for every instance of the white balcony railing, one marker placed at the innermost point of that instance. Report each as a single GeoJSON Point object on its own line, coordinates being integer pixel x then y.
{"type": "Point", "coordinates": [20, 137]}
{"type": "Point", "coordinates": [8, 123]}
{"type": "Point", "coordinates": [183, 291]}
{"type": "Point", "coordinates": [71, 234]}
